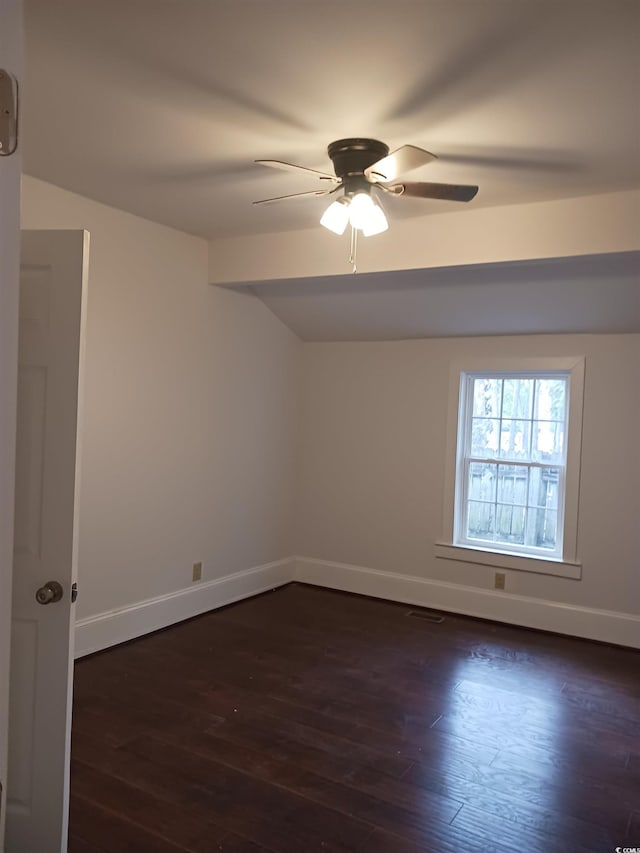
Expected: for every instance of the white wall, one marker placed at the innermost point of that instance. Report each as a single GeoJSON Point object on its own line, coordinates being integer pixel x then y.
{"type": "Point", "coordinates": [190, 418]}
{"type": "Point", "coordinates": [372, 470]}
{"type": "Point", "coordinates": [466, 235]}
{"type": "Point", "coordinates": [11, 53]}
{"type": "Point", "coordinates": [192, 451]}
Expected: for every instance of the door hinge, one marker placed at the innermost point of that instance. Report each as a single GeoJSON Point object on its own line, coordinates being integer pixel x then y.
{"type": "Point", "coordinates": [8, 113]}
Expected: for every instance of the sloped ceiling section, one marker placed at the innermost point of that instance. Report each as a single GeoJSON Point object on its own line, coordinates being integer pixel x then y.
{"type": "Point", "coordinates": [587, 294]}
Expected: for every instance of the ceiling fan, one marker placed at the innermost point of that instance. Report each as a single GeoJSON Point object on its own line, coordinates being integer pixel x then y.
{"type": "Point", "coordinates": [362, 166]}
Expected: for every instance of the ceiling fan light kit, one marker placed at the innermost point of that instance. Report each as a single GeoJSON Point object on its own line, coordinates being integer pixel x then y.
{"type": "Point", "coordinates": [361, 211]}
{"type": "Point", "coordinates": [360, 165]}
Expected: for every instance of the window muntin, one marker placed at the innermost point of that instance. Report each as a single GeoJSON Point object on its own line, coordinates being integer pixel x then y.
{"type": "Point", "coordinates": [511, 471]}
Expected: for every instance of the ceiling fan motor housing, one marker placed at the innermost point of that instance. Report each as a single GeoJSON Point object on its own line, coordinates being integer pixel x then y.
{"type": "Point", "coordinates": [350, 157]}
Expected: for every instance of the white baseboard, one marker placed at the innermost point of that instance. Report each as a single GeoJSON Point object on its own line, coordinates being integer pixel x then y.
{"type": "Point", "coordinates": [603, 625]}
{"type": "Point", "coordinates": [116, 626]}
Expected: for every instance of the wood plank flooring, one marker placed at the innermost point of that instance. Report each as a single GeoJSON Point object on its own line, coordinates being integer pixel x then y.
{"type": "Point", "coordinates": [308, 720]}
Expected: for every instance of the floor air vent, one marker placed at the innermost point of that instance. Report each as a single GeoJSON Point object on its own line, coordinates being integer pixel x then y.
{"type": "Point", "coordinates": [426, 616]}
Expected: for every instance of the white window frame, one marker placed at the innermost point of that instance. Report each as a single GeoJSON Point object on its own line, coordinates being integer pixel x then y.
{"type": "Point", "coordinates": [452, 545]}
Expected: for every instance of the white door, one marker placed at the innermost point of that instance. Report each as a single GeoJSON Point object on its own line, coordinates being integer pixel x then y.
{"type": "Point", "coordinates": [53, 274]}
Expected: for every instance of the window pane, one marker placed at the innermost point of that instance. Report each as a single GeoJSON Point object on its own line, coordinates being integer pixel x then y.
{"type": "Point", "coordinates": [512, 484]}
{"type": "Point", "coordinates": [548, 441]}
{"type": "Point", "coordinates": [544, 525]}
{"type": "Point", "coordinates": [480, 520]}
{"type": "Point", "coordinates": [550, 402]}
{"type": "Point", "coordinates": [482, 481]}
{"type": "Point", "coordinates": [544, 488]}
{"type": "Point", "coordinates": [515, 439]}
{"type": "Point", "coordinates": [517, 399]}
{"type": "Point", "coordinates": [484, 437]}
{"type": "Point", "coordinates": [487, 394]}
{"type": "Point", "coordinates": [510, 524]}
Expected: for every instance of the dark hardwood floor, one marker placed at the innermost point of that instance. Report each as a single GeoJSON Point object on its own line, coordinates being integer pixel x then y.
{"type": "Point", "coordinates": [308, 720]}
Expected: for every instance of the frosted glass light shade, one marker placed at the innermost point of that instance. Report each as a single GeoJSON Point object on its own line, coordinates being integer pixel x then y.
{"type": "Point", "coordinates": [376, 222]}
{"type": "Point", "coordinates": [336, 216]}
{"type": "Point", "coordinates": [360, 209]}
{"type": "Point", "coordinates": [366, 215]}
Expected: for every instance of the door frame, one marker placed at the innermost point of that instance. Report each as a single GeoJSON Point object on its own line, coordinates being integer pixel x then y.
{"type": "Point", "coordinates": [11, 51]}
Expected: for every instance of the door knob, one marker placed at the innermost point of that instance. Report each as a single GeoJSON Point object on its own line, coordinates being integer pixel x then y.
{"type": "Point", "coordinates": [49, 593]}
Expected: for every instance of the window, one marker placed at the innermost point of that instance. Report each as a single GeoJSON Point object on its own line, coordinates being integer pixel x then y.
{"type": "Point", "coordinates": [511, 474]}
{"type": "Point", "coordinates": [513, 494]}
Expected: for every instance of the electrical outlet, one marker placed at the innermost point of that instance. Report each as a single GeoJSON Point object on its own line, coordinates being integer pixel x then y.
{"type": "Point", "coordinates": [197, 572]}
{"type": "Point", "coordinates": [499, 580]}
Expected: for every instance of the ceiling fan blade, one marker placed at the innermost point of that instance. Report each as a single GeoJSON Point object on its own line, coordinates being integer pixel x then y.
{"type": "Point", "coordinates": [291, 167]}
{"type": "Point", "coordinates": [399, 162]}
{"type": "Point", "coordinates": [446, 192]}
{"type": "Point", "coordinates": [294, 195]}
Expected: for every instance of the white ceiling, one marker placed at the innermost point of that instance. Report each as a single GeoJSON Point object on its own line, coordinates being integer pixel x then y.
{"type": "Point", "coordinates": [586, 294]}
{"type": "Point", "coordinates": [159, 107]}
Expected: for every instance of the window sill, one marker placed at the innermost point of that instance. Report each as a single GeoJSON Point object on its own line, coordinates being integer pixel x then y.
{"type": "Point", "coordinates": [500, 560]}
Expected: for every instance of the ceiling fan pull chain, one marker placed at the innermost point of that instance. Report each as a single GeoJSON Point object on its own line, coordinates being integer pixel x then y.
{"type": "Point", "coordinates": [354, 250]}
